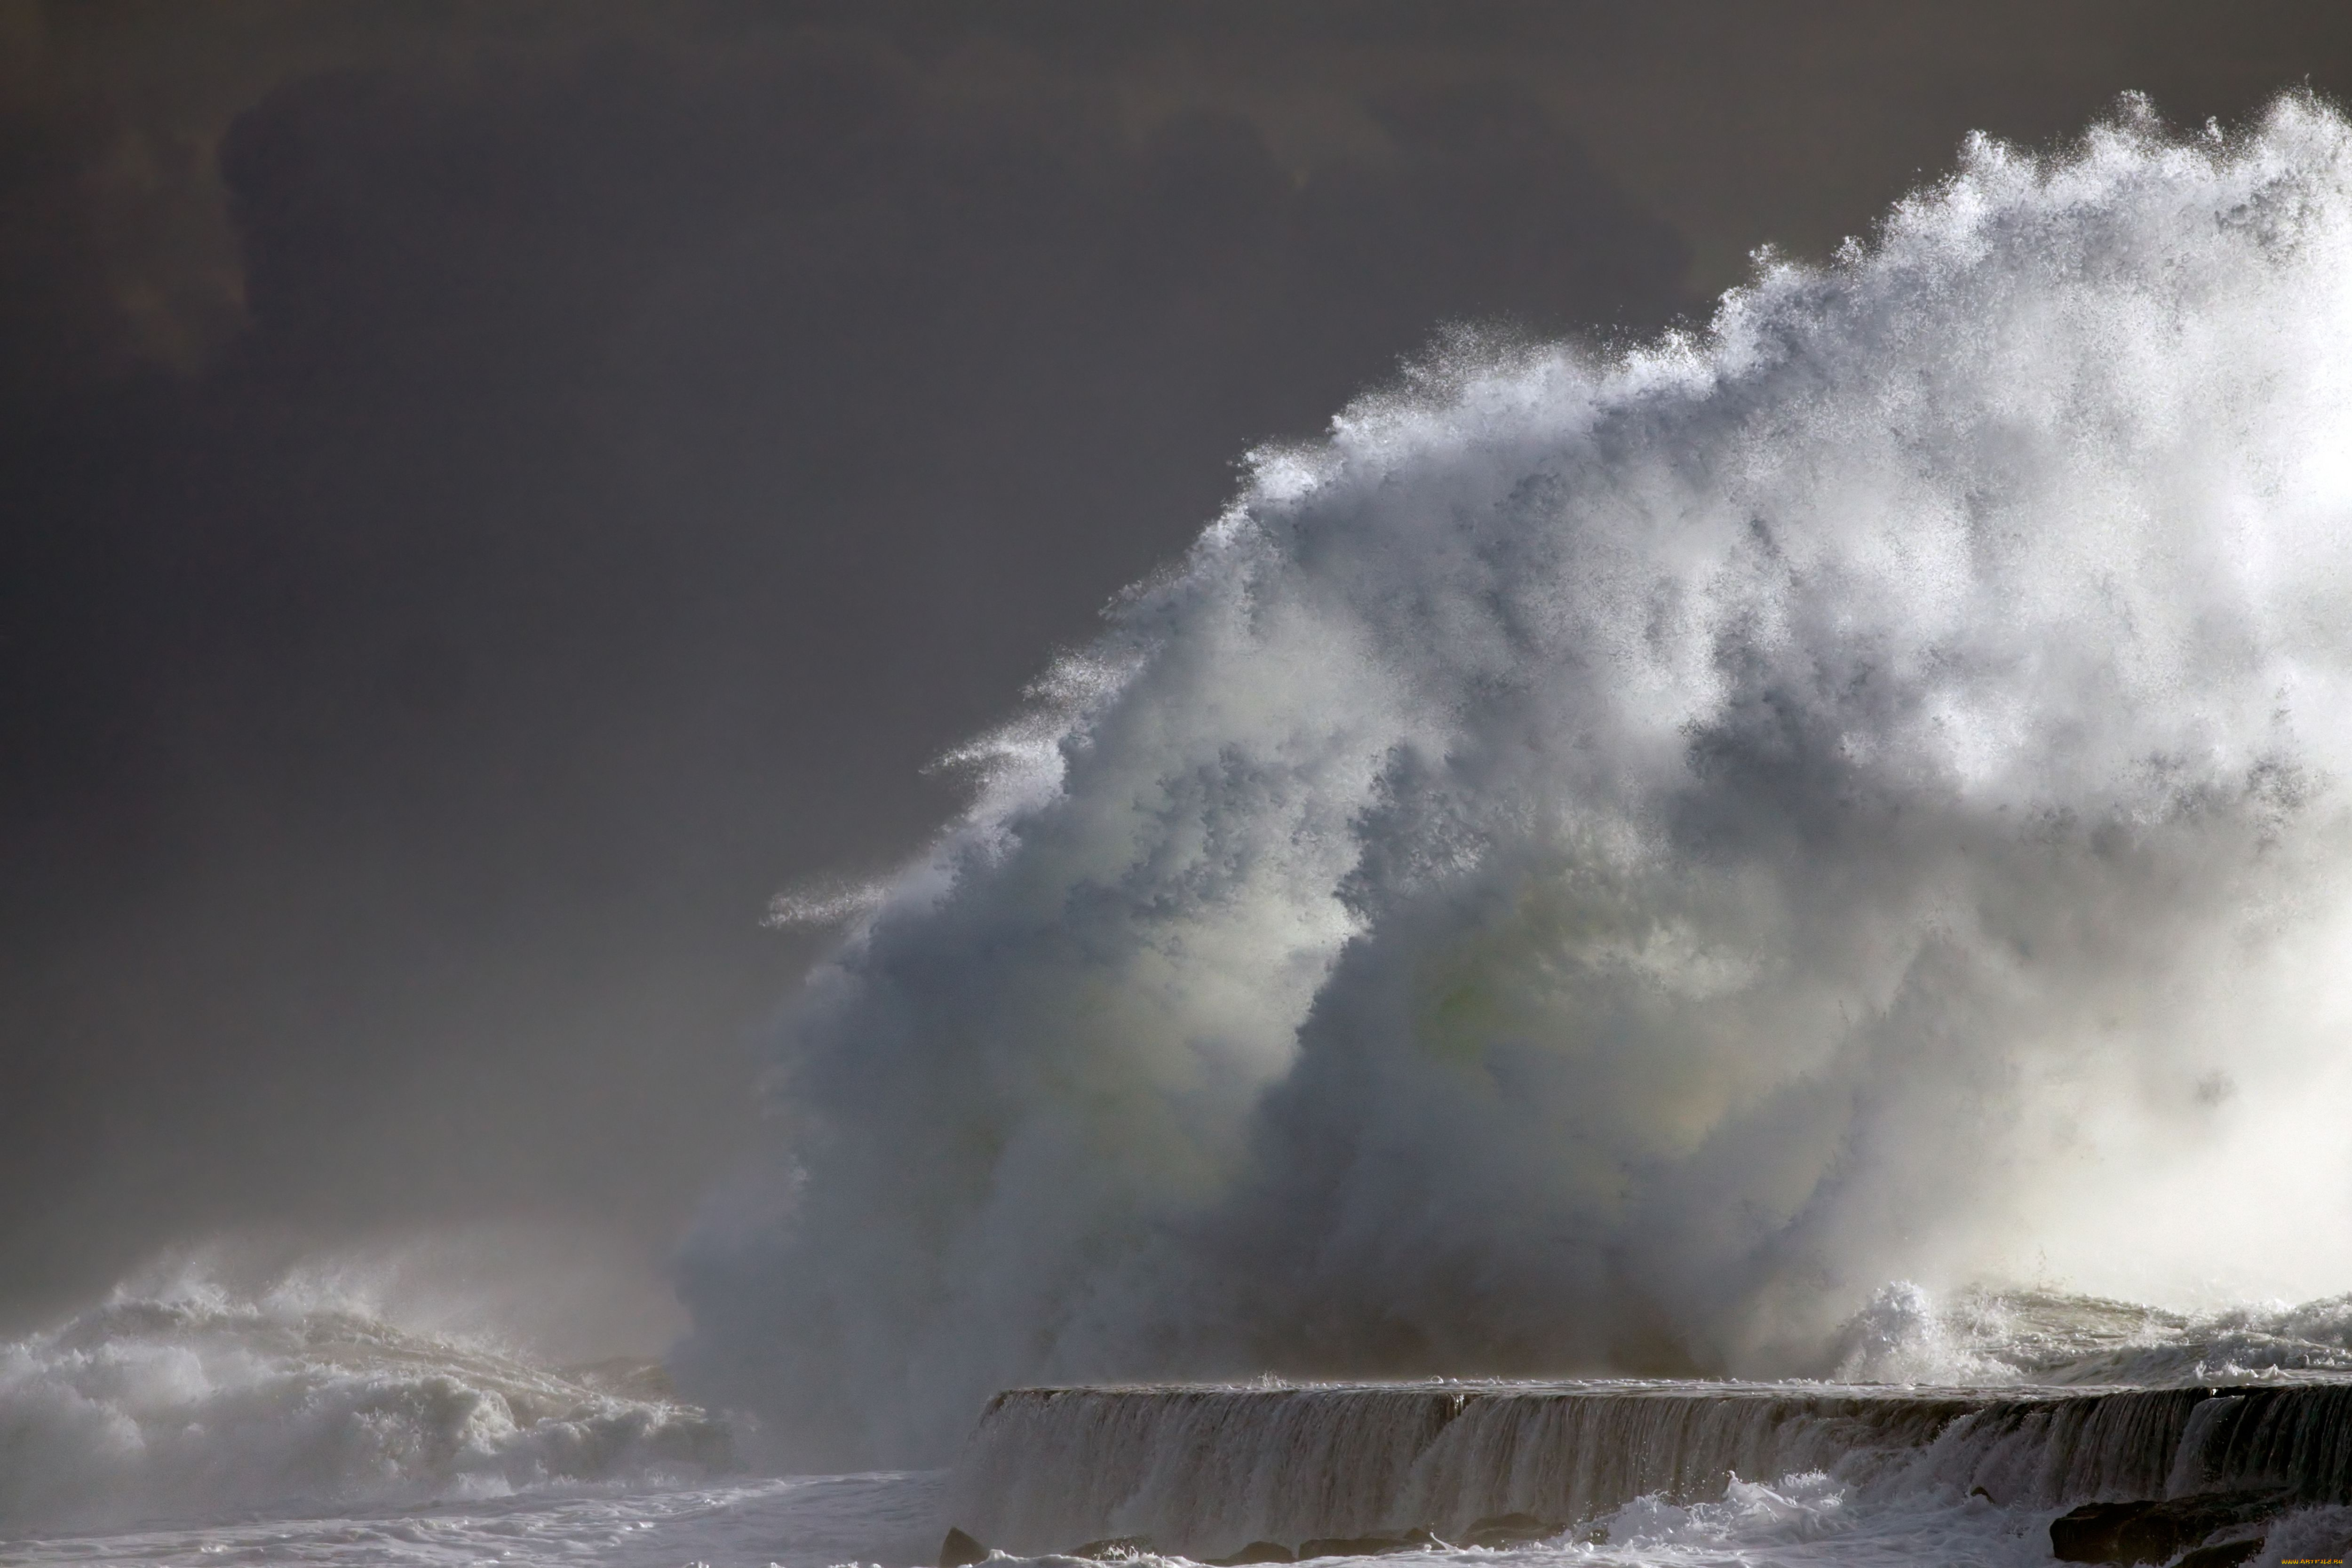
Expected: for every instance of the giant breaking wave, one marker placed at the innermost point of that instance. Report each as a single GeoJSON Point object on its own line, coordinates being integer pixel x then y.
{"type": "Point", "coordinates": [1612, 855]}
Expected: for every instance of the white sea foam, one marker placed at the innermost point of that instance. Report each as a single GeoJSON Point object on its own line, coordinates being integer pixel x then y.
{"type": "Point", "coordinates": [204, 1406]}
{"type": "Point", "coordinates": [1606, 859]}
{"type": "Point", "coordinates": [806, 1521]}
{"type": "Point", "coordinates": [1981, 1338]}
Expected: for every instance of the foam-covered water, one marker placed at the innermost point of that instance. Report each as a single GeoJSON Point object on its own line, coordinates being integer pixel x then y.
{"type": "Point", "coordinates": [188, 1423]}
{"type": "Point", "coordinates": [1990, 1338]}
{"type": "Point", "coordinates": [799, 1522]}
{"type": "Point", "coordinates": [1609, 857]}
{"type": "Point", "coordinates": [202, 1404]}
{"type": "Point", "coordinates": [299, 1426]}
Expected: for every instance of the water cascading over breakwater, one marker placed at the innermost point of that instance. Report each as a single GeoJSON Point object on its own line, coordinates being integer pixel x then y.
{"type": "Point", "coordinates": [1205, 1471]}
{"type": "Point", "coordinates": [1609, 857]}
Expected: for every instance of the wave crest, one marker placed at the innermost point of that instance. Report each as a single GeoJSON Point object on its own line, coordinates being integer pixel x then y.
{"type": "Point", "coordinates": [207, 1404]}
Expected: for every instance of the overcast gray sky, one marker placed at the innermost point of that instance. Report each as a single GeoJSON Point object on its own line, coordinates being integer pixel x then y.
{"type": "Point", "coordinates": [491, 492]}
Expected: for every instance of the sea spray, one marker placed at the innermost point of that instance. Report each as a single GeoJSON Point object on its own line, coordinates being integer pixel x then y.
{"type": "Point", "coordinates": [1608, 857]}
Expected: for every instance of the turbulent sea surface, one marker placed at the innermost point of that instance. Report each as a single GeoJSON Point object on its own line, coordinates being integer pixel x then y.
{"type": "Point", "coordinates": [1579, 879]}
{"type": "Point", "coordinates": [209, 1431]}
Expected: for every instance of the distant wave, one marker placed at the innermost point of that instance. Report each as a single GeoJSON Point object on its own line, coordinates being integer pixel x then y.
{"type": "Point", "coordinates": [1982, 1337]}
{"type": "Point", "coordinates": [202, 1404]}
{"type": "Point", "coordinates": [1608, 858]}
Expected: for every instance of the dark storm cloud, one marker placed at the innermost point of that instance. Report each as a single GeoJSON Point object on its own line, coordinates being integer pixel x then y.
{"type": "Point", "coordinates": [637, 463]}
{"type": "Point", "coordinates": [490, 493]}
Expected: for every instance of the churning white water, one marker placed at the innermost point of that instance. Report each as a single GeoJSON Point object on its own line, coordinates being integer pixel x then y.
{"type": "Point", "coordinates": [1626, 1473]}
{"type": "Point", "coordinates": [1611, 856]}
{"type": "Point", "coordinates": [200, 1403]}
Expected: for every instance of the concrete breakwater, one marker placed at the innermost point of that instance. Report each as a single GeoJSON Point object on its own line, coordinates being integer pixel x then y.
{"type": "Point", "coordinates": [1208, 1470]}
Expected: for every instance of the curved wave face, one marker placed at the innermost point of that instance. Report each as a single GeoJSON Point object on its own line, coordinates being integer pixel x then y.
{"type": "Point", "coordinates": [202, 1405]}
{"type": "Point", "coordinates": [1609, 857]}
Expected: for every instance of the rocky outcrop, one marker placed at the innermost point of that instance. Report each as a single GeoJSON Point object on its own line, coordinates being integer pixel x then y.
{"type": "Point", "coordinates": [2157, 1531]}
{"type": "Point", "coordinates": [961, 1551]}
{"type": "Point", "coordinates": [1369, 1546]}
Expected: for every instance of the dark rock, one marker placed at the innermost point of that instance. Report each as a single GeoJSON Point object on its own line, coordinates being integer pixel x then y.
{"type": "Point", "coordinates": [2223, 1554]}
{"type": "Point", "coordinates": [1504, 1529]}
{"type": "Point", "coordinates": [961, 1551]}
{"type": "Point", "coordinates": [1368, 1545]}
{"type": "Point", "coordinates": [1110, 1549]}
{"type": "Point", "coordinates": [2154, 1532]}
{"type": "Point", "coordinates": [1255, 1551]}
{"type": "Point", "coordinates": [2087, 1534]}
